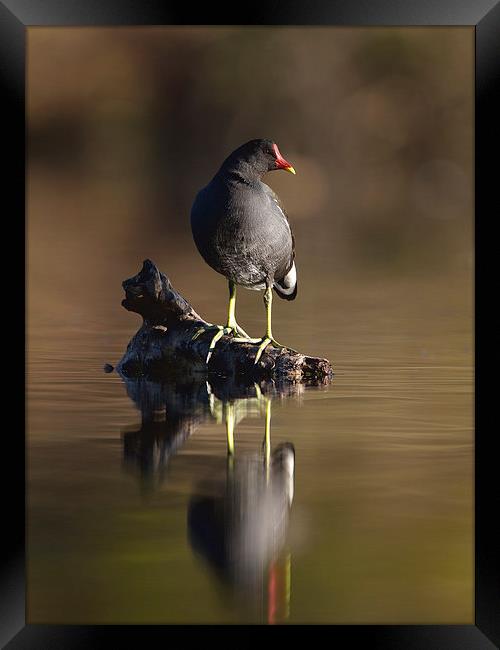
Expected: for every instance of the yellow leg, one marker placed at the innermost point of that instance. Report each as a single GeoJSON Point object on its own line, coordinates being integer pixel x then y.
{"type": "Point", "coordinates": [268, 338]}
{"type": "Point", "coordinates": [288, 578]}
{"type": "Point", "coordinates": [231, 317]}
{"type": "Point", "coordinates": [267, 440]}
{"type": "Point", "coordinates": [230, 429]}
{"type": "Point", "coordinates": [231, 327]}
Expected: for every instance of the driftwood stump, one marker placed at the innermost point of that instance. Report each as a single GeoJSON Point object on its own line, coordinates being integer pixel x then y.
{"type": "Point", "coordinates": [164, 344]}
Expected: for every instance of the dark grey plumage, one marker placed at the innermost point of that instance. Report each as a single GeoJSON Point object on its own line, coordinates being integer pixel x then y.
{"type": "Point", "coordinates": [239, 225]}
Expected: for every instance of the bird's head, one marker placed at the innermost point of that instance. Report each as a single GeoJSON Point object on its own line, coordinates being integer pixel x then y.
{"type": "Point", "coordinates": [259, 156]}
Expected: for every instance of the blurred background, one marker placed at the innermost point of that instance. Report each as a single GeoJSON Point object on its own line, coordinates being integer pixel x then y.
{"type": "Point", "coordinates": [125, 125]}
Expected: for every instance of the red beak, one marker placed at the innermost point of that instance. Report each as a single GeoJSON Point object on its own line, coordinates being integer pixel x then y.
{"type": "Point", "coordinates": [281, 163]}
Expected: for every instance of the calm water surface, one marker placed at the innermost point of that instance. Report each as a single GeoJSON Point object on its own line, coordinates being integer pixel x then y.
{"type": "Point", "coordinates": [129, 486]}
{"type": "Point", "coordinates": [134, 515]}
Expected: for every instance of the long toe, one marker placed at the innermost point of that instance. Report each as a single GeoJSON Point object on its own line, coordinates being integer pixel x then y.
{"type": "Point", "coordinates": [241, 332]}
{"type": "Point", "coordinates": [213, 342]}
{"type": "Point", "coordinates": [240, 336]}
{"type": "Point", "coordinates": [209, 327]}
{"type": "Point", "coordinates": [275, 344]}
{"type": "Point", "coordinates": [265, 342]}
{"type": "Point", "coordinates": [243, 339]}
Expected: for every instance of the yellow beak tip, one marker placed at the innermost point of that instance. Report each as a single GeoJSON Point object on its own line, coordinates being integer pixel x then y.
{"type": "Point", "coordinates": [291, 170]}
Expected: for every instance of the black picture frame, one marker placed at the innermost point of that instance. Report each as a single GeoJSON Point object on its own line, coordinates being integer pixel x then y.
{"type": "Point", "coordinates": [484, 16]}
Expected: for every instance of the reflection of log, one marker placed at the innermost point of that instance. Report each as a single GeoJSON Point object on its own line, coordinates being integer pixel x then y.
{"type": "Point", "coordinates": [172, 410]}
{"type": "Point", "coordinates": [164, 342]}
{"type": "Point", "coordinates": [170, 413]}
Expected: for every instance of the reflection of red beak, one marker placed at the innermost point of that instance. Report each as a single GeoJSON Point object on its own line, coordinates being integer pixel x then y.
{"type": "Point", "coordinates": [281, 163]}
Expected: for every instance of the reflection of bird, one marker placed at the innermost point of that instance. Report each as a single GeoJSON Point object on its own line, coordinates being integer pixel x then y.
{"type": "Point", "coordinates": [240, 527]}
{"type": "Point", "coordinates": [171, 411]}
{"type": "Point", "coordinates": [241, 230]}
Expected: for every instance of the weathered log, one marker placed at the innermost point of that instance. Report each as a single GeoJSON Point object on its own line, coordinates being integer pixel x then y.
{"type": "Point", "coordinates": [164, 344]}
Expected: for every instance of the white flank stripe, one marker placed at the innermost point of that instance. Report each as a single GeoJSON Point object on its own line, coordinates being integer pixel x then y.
{"type": "Point", "coordinates": [288, 283]}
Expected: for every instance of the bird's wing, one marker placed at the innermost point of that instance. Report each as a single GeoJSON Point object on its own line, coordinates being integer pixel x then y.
{"type": "Point", "coordinates": [275, 199]}
{"type": "Point", "coordinates": [285, 287]}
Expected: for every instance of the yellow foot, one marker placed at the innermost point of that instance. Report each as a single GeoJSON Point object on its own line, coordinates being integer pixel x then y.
{"type": "Point", "coordinates": [264, 342]}
{"type": "Point", "coordinates": [233, 329]}
{"type": "Point", "coordinates": [213, 342]}
{"type": "Point", "coordinates": [206, 328]}
{"type": "Point", "coordinates": [241, 336]}
{"type": "Point", "coordinates": [241, 339]}
{"type": "Point", "coordinates": [240, 331]}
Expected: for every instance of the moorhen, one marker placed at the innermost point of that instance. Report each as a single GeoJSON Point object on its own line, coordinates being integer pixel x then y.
{"type": "Point", "coordinates": [241, 230]}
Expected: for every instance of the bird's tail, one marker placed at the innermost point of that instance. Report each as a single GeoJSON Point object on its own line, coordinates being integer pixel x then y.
{"type": "Point", "coordinates": [286, 287]}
